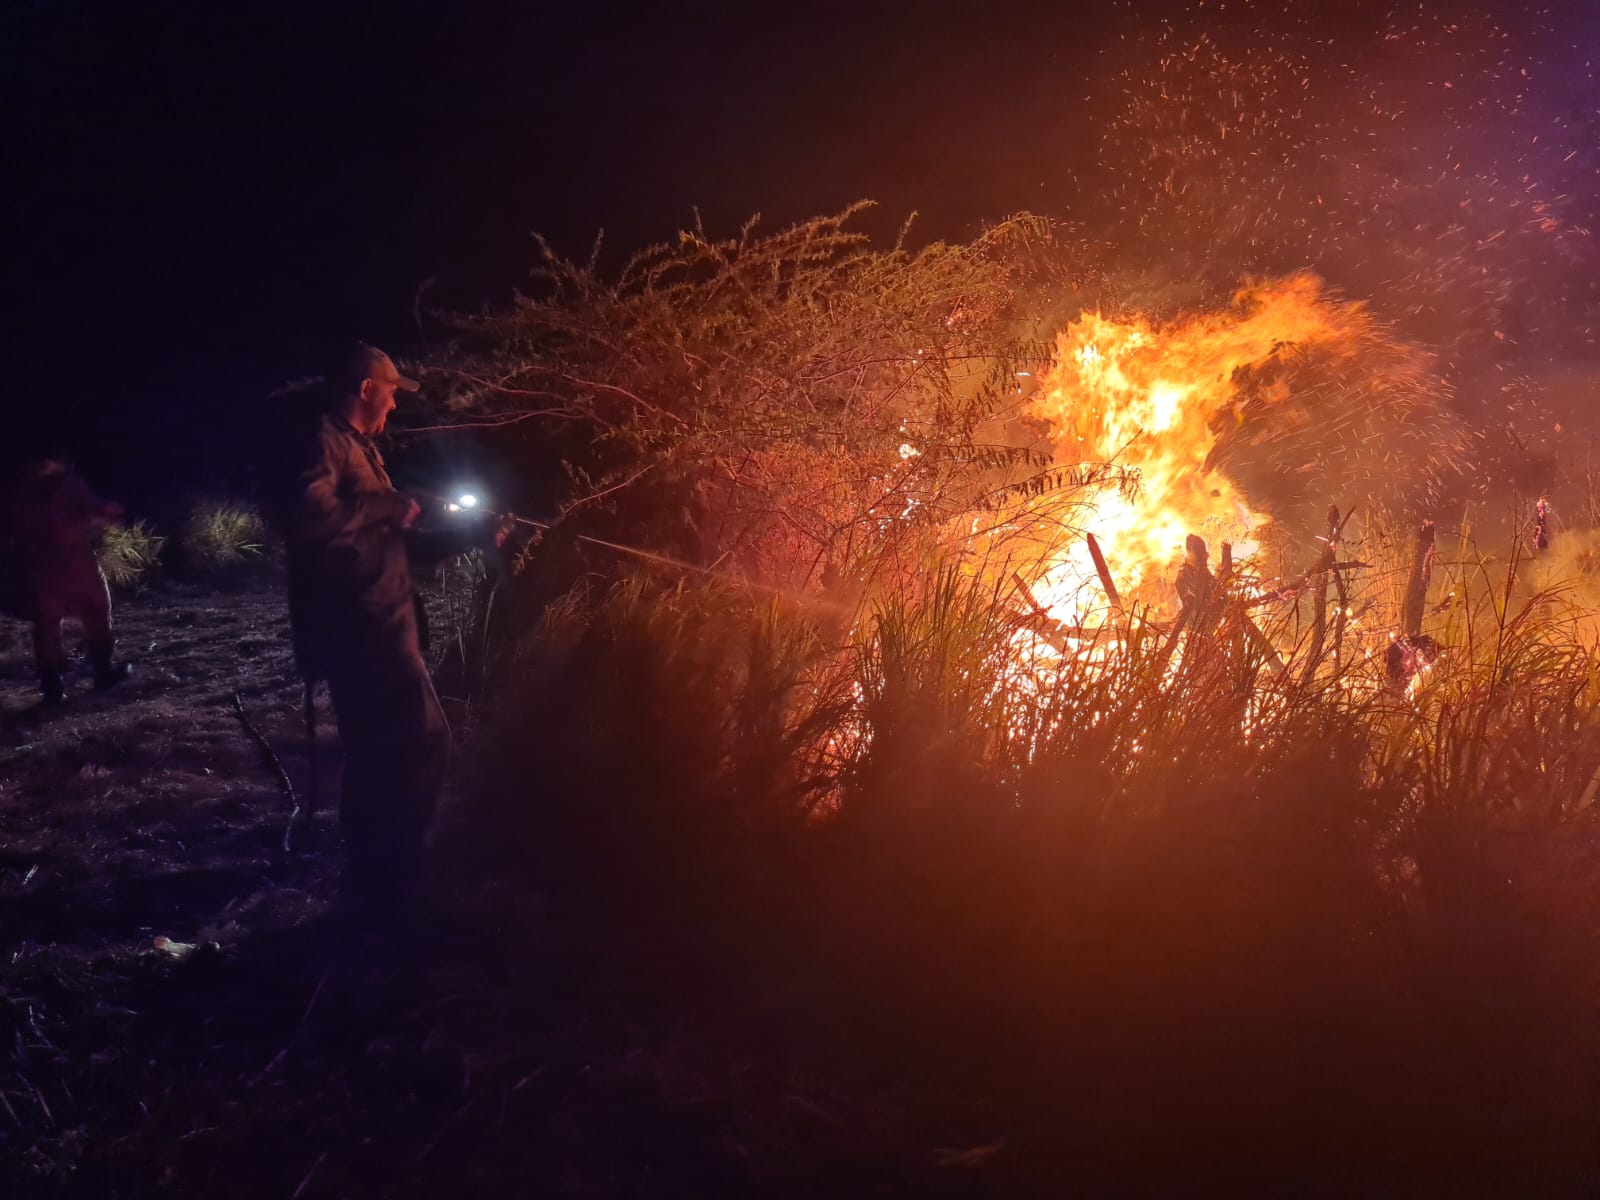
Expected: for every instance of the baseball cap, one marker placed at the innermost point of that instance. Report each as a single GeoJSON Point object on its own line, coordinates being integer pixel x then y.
{"type": "Point", "coordinates": [368, 362]}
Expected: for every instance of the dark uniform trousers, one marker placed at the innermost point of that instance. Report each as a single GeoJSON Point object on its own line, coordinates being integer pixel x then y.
{"type": "Point", "coordinates": [396, 748]}
{"type": "Point", "coordinates": [72, 589]}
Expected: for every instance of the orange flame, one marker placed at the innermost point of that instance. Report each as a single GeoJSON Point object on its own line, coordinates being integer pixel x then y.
{"type": "Point", "coordinates": [1151, 398]}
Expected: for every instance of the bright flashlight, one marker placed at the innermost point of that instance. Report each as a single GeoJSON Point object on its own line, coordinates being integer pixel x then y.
{"type": "Point", "coordinates": [467, 500]}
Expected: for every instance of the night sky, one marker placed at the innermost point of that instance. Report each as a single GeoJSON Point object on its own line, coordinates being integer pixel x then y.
{"type": "Point", "coordinates": [209, 197]}
{"type": "Point", "coordinates": [205, 198]}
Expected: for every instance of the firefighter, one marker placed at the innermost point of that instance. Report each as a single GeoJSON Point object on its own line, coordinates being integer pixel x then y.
{"type": "Point", "coordinates": [353, 615]}
{"type": "Point", "coordinates": [55, 574]}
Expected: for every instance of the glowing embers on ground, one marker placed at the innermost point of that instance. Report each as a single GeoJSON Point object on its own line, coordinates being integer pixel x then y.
{"type": "Point", "coordinates": [1152, 399]}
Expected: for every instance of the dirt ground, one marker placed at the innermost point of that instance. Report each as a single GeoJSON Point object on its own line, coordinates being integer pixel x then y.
{"type": "Point", "coordinates": [278, 1050]}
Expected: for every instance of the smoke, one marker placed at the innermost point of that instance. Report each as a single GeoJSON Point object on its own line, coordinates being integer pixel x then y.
{"type": "Point", "coordinates": [1439, 168]}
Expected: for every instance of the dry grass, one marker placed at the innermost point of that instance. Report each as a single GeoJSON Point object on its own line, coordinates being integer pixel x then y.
{"type": "Point", "coordinates": [1169, 868]}
{"type": "Point", "coordinates": [918, 903]}
{"type": "Point", "coordinates": [464, 632]}
{"type": "Point", "coordinates": [128, 554]}
{"type": "Point", "coordinates": [222, 535]}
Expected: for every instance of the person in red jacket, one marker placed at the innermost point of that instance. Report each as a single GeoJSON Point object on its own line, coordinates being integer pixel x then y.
{"type": "Point", "coordinates": [54, 519]}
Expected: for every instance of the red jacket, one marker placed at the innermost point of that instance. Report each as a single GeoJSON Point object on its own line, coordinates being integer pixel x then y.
{"type": "Point", "coordinates": [53, 518]}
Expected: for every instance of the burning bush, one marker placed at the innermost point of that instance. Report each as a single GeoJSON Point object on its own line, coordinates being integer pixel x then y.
{"type": "Point", "coordinates": [796, 407]}
{"type": "Point", "coordinates": [1229, 421]}
{"type": "Point", "coordinates": [822, 657]}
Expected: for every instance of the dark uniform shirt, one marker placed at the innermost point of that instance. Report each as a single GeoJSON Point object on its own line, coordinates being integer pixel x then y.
{"type": "Point", "coordinates": [349, 572]}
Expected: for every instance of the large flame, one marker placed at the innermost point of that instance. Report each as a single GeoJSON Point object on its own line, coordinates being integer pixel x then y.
{"type": "Point", "coordinates": [1151, 398]}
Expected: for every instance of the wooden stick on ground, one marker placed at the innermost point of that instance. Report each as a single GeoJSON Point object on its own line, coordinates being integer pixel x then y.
{"type": "Point", "coordinates": [276, 764]}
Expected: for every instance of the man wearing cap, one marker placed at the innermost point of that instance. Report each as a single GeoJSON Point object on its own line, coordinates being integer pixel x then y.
{"type": "Point", "coordinates": [354, 622]}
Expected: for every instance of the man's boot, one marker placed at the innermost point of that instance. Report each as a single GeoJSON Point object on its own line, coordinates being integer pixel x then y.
{"type": "Point", "coordinates": [106, 674]}
{"type": "Point", "coordinates": [50, 684]}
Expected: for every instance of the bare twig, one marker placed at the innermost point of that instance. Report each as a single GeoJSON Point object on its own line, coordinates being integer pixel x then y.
{"type": "Point", "coordinates": [277, 765]}
{"type": "Point", "coordinates": [306, 1181]}
{"type": "Point", "coordinates": [277, 1059]}
{"type": "Point", "coordinates": [601, 386]}
{"type": "Point", "coordinates": [495, 423]}
{"type": "Point", "coordinates": [593, 496]}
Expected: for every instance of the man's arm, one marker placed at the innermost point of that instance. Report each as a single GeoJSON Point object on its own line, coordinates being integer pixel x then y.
{"type": "Point", "coordinates": [324, 515]}
{"type": "Point", "coordinates": [80, 504]}
{"type": "Point", "coordinates": [429, 547]}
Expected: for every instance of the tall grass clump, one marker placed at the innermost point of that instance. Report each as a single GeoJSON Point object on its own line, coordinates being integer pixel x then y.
{"type": "Point", "coordinates": [1169, 880]}
{"type": "Point", "coordinates": [468, 639]}
{"type": "Point", "coordinates": [934, 677]}
{"type": "Point", "coordinates": [658, 752]}
{"type": "Point", "coordinates": [1489, 780]}
{"type": "Point", "coordinates": [129, 553]}
{"type": "Point", "coordinates": [222, 535]}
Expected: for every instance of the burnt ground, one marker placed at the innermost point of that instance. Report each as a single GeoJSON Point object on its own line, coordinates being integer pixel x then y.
{"type": "Point", "coordinates": [290, 1053]}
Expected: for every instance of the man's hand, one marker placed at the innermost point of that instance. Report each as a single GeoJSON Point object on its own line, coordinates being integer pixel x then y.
{"type": "Point", "coordinates": [504, 530]}
{"type": "Point", "coordinates": [413, 512]}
